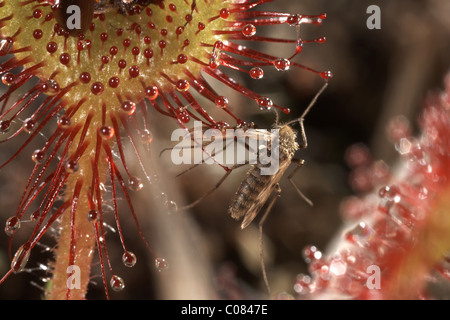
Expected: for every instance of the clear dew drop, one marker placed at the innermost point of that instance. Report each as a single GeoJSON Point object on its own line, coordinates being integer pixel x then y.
{"type": "Point", "coordinates": [161, 264]}
{"type": "Point", "coordinates": [129, 259]}
{"type": "Point", "coordinates": [135, 184]}
{"type": "Point", "coordinates": [11, 225]}
{"type": "Point", "coordinates": [117, 283]}
{"type": "Point", "coordinates": [20, 259]}
{"type": "Point", "coordinates": [171, 205]}
{"type": "Point", "coordinates": [146, 136]}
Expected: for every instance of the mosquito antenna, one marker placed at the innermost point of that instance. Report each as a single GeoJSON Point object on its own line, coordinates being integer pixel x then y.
{"type": "Point", "coordinates": [311, 104]}
{"type": "Point", "coordinates": [302, 117]}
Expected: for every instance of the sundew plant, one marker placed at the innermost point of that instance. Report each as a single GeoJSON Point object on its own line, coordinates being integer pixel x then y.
{"type": "Point", "coordinates": [86, 88]}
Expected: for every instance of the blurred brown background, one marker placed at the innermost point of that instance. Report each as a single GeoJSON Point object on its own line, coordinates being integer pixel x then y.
{"type": "Point", "coordinates": [378, 74]}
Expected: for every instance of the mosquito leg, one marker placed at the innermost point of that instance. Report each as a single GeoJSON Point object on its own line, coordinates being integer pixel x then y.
{"type": "Point", "coordinates": [260, 225]}
{"type": "Point", "coordinates": [299, 165]}
{"type": "Point", "coordinates": [193, 204]}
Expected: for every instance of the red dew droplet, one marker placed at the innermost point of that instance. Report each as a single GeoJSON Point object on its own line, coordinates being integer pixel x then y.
{"type": "Point", "coordinates": [201, 26]}
{"type": "Point", "coordinates": [151, 92]}
{"type": "Point", "coordinates": [97, 88]}
{"type": "Point", "coordinates": [265, 102]}
{"type": "Point", "coordinates": [134, 71]}
{"type": "Point", "coordinates": [29, 125]}
{"type": "Point", "coordinates": [249, 30]}
{"type": "Point", "coordinates": [122, 64]}
{"type": "Point", "coordinates": [71, 166]}
{"type": "Point", "coordinates": [135, 51]}
{"type": "Point", "coordinates": [128, 107]}
{"type": "Point", "coordinates": [182, 85]}
{"type": "Point", "coordinates": [104, 59]}
{"type": "Point", "coordinates": [282, 64]}
{"type": "Point", "coordinates": [37, 14]}
{"type": "Point", "coordinates": [224, 13]}
{"type": "Point", "coordinates": [114, 82]}
{"type": "Point", "coordinates": [221, 102]}
{"type": "Point", "coordinates": [38, 156]}
{"type": "Point", "coordinates": [113, 50]}
{"type": "Point", "coordinates": [85, 77]}
{"type": "Point", "coordinates": [50, 87]}
{"type": "Point", "coordinates": [182, 58]}
{"type": "Point", "coordinates": [4, 126]}
{"type": "Point", "coordinates": [148, 53]}
{"type": "Point", "coordinates": [8, 78]}
{"type": "Point", "coordinates": [93, 216]}
{"type": "Point", "coordinates": [179, 30]}
{"type": "Point", "coordinates": [37, 34]}
{"type": "Point", "coordinates": [293, 20]}
{"type": "Point", "coordinates": [185, 43]}
{"type": "Point", "coordinates": [126, 43]}
{"type": "Point", "coordinates": [326, 75]}
{"type": "Point", "coordinates": [52, 47]}
{"type": "Point", "coordinates": [162, 44]}
{"type": "Point", "coordinates": [321, 40]}
{"type": "Point", "coordinates": [106, 132]}
{"type": "Point", "coordinates": [64, 58]}
{"type": "Point", "coordinates": [256, 73]}
{"type": "Point", "coordinates": [183, 115]}
{"type": "Point", "coordinates": [103, 36]}
{"type": "Point", "coordinates": [64, 122]}
{"type": "Point", "coordinates": [48, 16]}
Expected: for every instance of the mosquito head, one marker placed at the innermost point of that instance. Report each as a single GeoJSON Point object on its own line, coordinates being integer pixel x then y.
{"type": "Point", "coordinates": [288, 140]}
